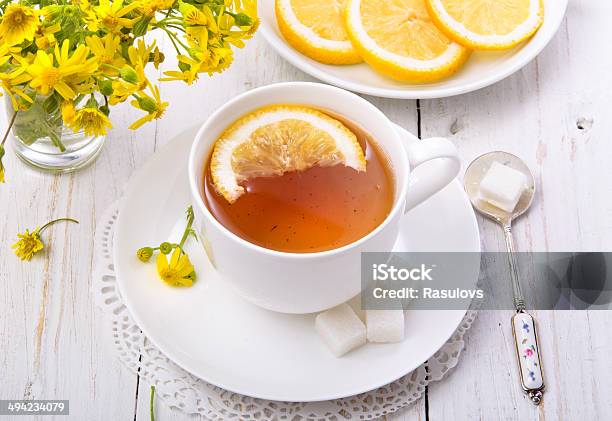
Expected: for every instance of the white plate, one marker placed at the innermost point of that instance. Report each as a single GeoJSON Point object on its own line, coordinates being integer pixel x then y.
{"type": "Point", "coordinates": [482, 69]}
{"type": "Point", "coordinates": [216, 335]}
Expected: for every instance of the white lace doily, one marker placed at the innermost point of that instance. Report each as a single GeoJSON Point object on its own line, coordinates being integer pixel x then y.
{"type": "Point", "coordinates": [179, 389]}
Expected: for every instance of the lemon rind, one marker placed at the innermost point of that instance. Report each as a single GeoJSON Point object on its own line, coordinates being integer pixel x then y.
{"type": "Point", "coordinates": [460, 34]}
{"type": "Point", "coordinates": [226, 181]}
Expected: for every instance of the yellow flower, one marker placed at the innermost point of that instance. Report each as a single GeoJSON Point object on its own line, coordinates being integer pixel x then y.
{"type": "Point", "coordinates": [150, 7]}
{"type": "Point", "coordinates": [123, 89]}
{"type": "Point", "coordinates": [197, 37]}
{"type": "Point", "coordinates": [178, 272]}
{"type": "Point", "coordinates": [158, 57]}
{"type": "Point", "coordinates": [15, 93]}
{"type": "Point", "coordinates": [188, 76]}
{"type": "Point", "coordinates": [28, 244]}
{"type": "Point", "coordinates": [193, 16]}
{"type": "Point", "coordinates": [45, 37]}
{"type": "Point", "coordinates": [140, 54]}
{"type": "Point", "coordinates": [108, 51]}
{"type": "Point", "coordinates": [111, 15]}
{"type": "Point", "coordinates": [91, 120]}
{"type": "Point", "coordinates": [70, 70]}
{"type": "Point", "coordinates": [137, 82]}
{"type": "Point", "coordinates": [68, 112]}
{"type": "Point", "coordinates": [19, 23]}
{"type": "Point", "coordinates": [153, 106]}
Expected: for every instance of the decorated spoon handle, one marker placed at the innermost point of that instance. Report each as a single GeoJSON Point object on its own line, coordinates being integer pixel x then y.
{"type": "Point", "coordinates": [528, 355]}
{"type": "Point", "coordinates": [524, 332]}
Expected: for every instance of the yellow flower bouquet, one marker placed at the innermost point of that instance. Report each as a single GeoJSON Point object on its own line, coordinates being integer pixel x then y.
{"type": "Point", "coordinates": [65, 63]}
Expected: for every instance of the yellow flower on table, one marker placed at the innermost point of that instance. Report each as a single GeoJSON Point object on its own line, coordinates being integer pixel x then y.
{"type": "Point", "coordinates": [29, 243]}
{"type": "Point", "coordinates": [178, 272]}
{"type": "Point", "coordinates": [47, 76]}
{"type": "Point", "coordinates": [19, 23]}
{"type": "Point", "coordinates": [91, 120]}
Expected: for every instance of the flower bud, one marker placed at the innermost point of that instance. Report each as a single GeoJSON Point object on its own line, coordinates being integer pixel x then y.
{"type": "Point", "coordinates": [106, 87]}
{"type": "Point", "coordinates": [165, 247]}
{"type": "Point", "coordinates": [242, 19]}
{"type": "Point", "coordinates": [147, 104]}
{"type": "Point", "coordinates": [129, 75]}
{"type": "Point", "coordinates": [184, 67]}
{"type": "Point", "coordinates": [140, 27]}
{"type": "Point", "coordinates": [144, 254]}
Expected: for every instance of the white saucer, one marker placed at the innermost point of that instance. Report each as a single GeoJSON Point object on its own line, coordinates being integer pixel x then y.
{"type": "Point", "coordinates": [482, 69]}
{"type": "Point", "coordinates": [216, 335]}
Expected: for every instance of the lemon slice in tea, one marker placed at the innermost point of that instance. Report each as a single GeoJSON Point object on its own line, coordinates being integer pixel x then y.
{"type": "Point", "coordinates": [276, 139]}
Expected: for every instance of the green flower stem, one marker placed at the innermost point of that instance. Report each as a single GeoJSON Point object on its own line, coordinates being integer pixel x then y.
{"type": "Point", "coordinates": [174, 38]}
{"type": "Point", "coordinates": [190, 219]}
{"type": "Point", "coordinates": [171, 40]}
{"type": "Point", "coordinates": [151, 408]}
{"type": "Point", "coordinates": [54, 221]}
{"type": "Point", "coordinates": [8, 129]}
{"type": "Point", "coordinates": [56, 139]}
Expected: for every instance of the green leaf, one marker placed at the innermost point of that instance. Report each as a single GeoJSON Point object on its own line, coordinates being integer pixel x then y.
{"type": "Point", "coordinates": [36, 123]}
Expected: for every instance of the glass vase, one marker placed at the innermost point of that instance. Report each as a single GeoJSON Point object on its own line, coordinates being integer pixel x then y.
{"type": "Point", "coordinates": [41, 139]}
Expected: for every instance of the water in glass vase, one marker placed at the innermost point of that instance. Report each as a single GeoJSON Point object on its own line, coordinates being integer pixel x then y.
{"type": "Point", "coordinates": [40, 139]}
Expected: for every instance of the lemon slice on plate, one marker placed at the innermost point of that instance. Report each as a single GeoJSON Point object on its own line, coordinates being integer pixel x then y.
{"type": "Point", "coordinates": [487, 24]}
{"type": "Point", "coordinates": [398, 38]}
{"type": "Point", "coordinates": [316, 29]}
{"type": "Point", "coordinates": [276, 139]}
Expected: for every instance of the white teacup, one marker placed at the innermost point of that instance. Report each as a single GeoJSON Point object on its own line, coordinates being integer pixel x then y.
{"type": "Point", "coordinates": [310, 282]}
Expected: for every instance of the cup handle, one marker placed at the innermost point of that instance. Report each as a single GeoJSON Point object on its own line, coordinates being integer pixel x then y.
{"type": "Point", "coordinates": [434, 164]}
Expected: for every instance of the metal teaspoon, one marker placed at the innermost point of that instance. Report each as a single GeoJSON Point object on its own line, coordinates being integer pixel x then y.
{"type": "Point", "coordinates": [523, 324]}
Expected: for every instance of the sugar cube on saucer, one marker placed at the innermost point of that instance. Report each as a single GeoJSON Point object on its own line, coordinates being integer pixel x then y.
{"type": "Point", "coordinates": [502, 186]}
{"type": "Point", "coordinates": [341, 329]}
{"type": "Point", "coordinates": [385, 326]}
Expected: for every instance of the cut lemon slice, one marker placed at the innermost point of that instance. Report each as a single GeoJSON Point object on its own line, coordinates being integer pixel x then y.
{"type": "Point", "coordinates": [398, 38]}
{"type": "Point", "coordinates": [487, 24]}
{"type": "Point", "coordinates": [316, 29]}
{"type": "Point", "coordinates": [277, 139]}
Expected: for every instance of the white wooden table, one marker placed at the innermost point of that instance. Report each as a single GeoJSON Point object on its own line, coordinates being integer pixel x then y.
{"type": "Point", "coordinates": [555, 114]}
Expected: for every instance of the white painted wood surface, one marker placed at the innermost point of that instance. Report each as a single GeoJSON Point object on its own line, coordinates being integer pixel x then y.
{"type": "Point", "coordinates": [554, 114]}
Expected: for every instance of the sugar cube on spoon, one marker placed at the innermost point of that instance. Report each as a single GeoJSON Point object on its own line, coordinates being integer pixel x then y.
{"type": "Point", "coordinates": [341, 329]}
{"type": "Point", "coordinates": [502, 186]}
